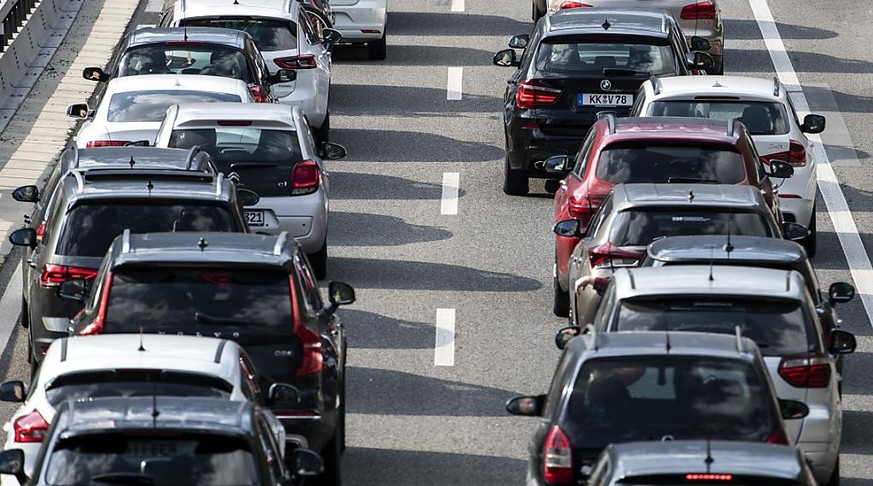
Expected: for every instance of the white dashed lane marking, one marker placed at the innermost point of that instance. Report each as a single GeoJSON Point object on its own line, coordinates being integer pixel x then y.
{"type": "Point", "coordinates": [455, 84]}
{"type": "Point", "coordinates": [449, 201]}
{"type": "Point", "coordinates": [458, 5]}
{"type": "Point", "coordinates": [444, 351]}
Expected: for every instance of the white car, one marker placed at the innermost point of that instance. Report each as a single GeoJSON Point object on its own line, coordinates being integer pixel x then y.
{"type": "Point", "coordinates": [363, 22]}
{"type": "Point", "coordinates": [132, 107]}
{"type": "Point", "coordinates": [130, 365]}
{"type": "Point", "coordinates": [764, 106]}
{"type": "Point", "coordinates": [284, 34]}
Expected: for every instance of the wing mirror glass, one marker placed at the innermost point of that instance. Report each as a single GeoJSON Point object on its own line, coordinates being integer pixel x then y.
{"type": "Point", "coordinates": [792, 409]}
{"type": "Point", "coordinates": [284, 394]}
{"type": "Point", "coordinates": [74, 290]}
{"type": "Point", "coordinates": [699, 44]}
{"type": "Point", "coordinates": [506, 58]}
{"type": "Point", "coordinates": [307, 463]}
{"type": "Point", "coordinates": [519, 41]}
{"type": "Point", "coordinates": [95, 74]}
{"type": "Point", "coordinates": [840, 292]}
{"type": "Point", "coordinates": [813, 123]}
{"type": "Point", "coordinates": [794, 232]}
{"type": "Point", "coordinates": [26, 194]}
{"type": "Point", "coordinates": [699, 60]}
{"type": "Point", "coordinates": [780, 169]}
{"type": "Point", "coordinates": [23, 237]}
{"type": "Point", "coordinates": [840, 342]}
{"type": "Point", "coordinates": [79, 111]}
{"type": "Point", "coordinates": [340, 293]}
{"type": "Point", "coordinates": [283, 76]}
{"type": "Point", "coordinates": [528, 406]}
{"type": "Point", "coordinates": [247, 197]}
{"type": "Point", "coordinates": [332, 151]}
{"type": "Point", "coordinates": [331, 36]}
{"type": "Point", "coordinates": [13, 391]}
{"type": "Point", "coordinates": [569, 228]}
{"type": "Point", "coordinates": [556, 165]}
{"type": "Point", "coordinates": [12, 462]}
{"type": "Point", "coordinates": [564, 336]}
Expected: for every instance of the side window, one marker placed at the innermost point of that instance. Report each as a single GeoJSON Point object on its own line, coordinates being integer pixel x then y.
{"type": "Point", "coordinates": [97, 287]}
{"type": "Point", "coordinates": [600, 216]}
{"type": "Point", "coordinates": [791, 106]}
{"type": "Point", "coordinates": [54, 214]}
{"type": "Point", "coordinates": [308, 29]}
{"type": "Point", "coordinates": [557, 387]}
{"type": "Point", "coordinates": [271, 449]}
{"type": "Point", "coordinates": [584, 151]}
{"type": "Point", "coordinates": [311, 296]}
{"type": "Point", "coordinates": [637, 108]}
{"type": "Point", "coordinates": [604, 311]}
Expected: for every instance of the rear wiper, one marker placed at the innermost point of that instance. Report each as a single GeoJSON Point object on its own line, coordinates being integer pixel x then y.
{"type": "Point", "coordinates": [124, 478]}
{"type": "Point", "coordinates": [207, 319]}
{"type": "Point", "coordinates": [614, 71]}
{"type": "Point", "coordinates": [252, 165]}
{"type": "Point", "coordinates": [690, 180]}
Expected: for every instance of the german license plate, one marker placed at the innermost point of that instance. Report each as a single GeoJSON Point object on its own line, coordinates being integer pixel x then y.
{"type": "Point", "coordinates": [255, 218]}
{"type": "Point", "coordinates": [590, 99]}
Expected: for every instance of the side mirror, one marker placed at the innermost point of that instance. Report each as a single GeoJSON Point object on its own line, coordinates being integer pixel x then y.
{"type": "Point", "coordinates": [506, 58]}
{"type": "Point", "coordinates": [564, 336]}
{"type": "Point", "coordinates": [780, 169]}
{"type": "Point", "coordinates": [284, 394]}
{"type": "Point", "coordinates": [339, 293]}
{"type": "Point", "coordinates": [247, 197]}
{"type": "Point", "coordinates": [332, 151]}
{"type": "Point", "coordinates": [529, 406]}
{"type": "Point", "coordinates": [95, 74]}
{"type": "Point", "coordinates": [26, 194]}
{"type": "Point", "coordinates": [557, 165]}
{"type": "Point", "coordinates": [331, 36]}
{"type": "Point", "coordinates": [12, 462]}
{"type": "Point", "coordinates": [13, 391]}
{"type": "Point", "coordinates": [699, 44]}
{"type": "Point", "coordinates": [79, 111]}
{"type": "Point", "coordinates": [519, 41]}
{"type": "Point", "coordinates": [794, 232]}
{"type": "Point", "coordinates": [792, 409]}
{"type": "Point", "coordinates": [813, 123]}
{"type": "Point", "coordinates": [568, 228]}
{"type": "Point", "coordinates": [74, 290]}
{"type": "Point", "coordinates": [841, 342]}
{"type": "Point", "coordinates": [283, 76]}
{"type": "Point", "coordinates": [307, 463]}
{"type": "Point", "coordinates": [23, 237]}
{"type": "Point", "coordinates": [138, 143]}
{"type": "Point", "coordinates": [699, 60]}
{"type": "Point", "coordinates": [840, 293]}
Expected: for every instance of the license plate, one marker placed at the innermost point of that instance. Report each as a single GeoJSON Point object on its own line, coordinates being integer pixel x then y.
{"type": "Point", "coordinates": [255, 218]}
{"type": "Point", "coordinates": [589, 99]}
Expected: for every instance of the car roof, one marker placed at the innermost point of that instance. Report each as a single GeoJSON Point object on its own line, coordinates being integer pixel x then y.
{"type": "Point", "coordinates": [262, 114]}
{"type": "Point", "coordinates": [712, 247]}
{"type": "Point", "coordinates": [208, 35]}
{"type": "Point", "coordinates": [745, 87]}
{"type": "Point", "coordinates": [691, 129]}
{"type": "Point", "coordinates": [249, 8]}
{"type": "Point", "coordinates": [654, 343]}
{"type": "Point", "coordinates": [176, 82]}
{"type": "Point", "coordinates": [219, 248]}
{"type": "Point", "coordinates": [709, 280]}
{"type": "Point", "coordinates": [620, 21]}
{"type": "Point", "coordinates": [689, 456]}
{"type": "Point", "coordinates": [628, 196]}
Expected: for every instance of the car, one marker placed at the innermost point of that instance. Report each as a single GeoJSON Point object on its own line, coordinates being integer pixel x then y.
{"type": "Point", "coordinates": [132, 107]}
{"type": "Point", "coordinates": [698, 18]}
{"type": "Point", "coordinates": [160, 440]}
{"type": "Point", "coordinates": [575, 64]}
{"type": "Point", "coordinates": [284, 34]}
{"type": "Point", "coordinates": [766, 109]}
{"type": "Point", "coordinates": [634, 215]}
{"type": "Point", "coordinates": [258, 290]}
{"type": "Point", "coordinates": [773, 308]}
{"type": "Point", "coordinates": [623, 387]}
{"type": "Point", "coordinates": [701, 462]}
{"type": "Point", "coordinates": [128, 365]}
{"type": "Point", "coordinates": [656, 150]}
{"type": "Point", "coordinates": [89, 207]}
{"type": "Point", "coordinates": [363, 22]}
{"type": "Point", "coordinates": [272, 151]}
{"type": "Point", "coordinates": [193, 50]}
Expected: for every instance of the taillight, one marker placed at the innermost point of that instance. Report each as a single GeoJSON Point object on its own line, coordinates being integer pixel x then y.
{"type": "Point", "coordinates": [608, 255]}
{"type": "Point", "coordinates": [304, 61]}
{"type": "Point", "coordinates": [96, 326]}
{"type": "Point", "coordinates": [698, 11]}
{"type": "Point", "coordinates": [806, 372]}
{"type": "Point", "coordinates": [106, 143]}
{"type": "Point", "coordinates": [54, 275]}
{"type": "Point", "coordinates": [305, 178]}
{"type": "Point", "coordinates": [40, 231]}
{"type": "Point", "coordinates": [778, 437]}
{"type": "Point", "coordinates": [30, 428]}
{"type": "Point", "coordinates": [258, 94]}
{"type": "Point", "coordinates": [581, 208]}
{"type": "Point", "coordinates": [313, 358]}
{"type": "Point", "coordinates": [571, 4]}
{"type": "Point", "coordinates": [709, 477]}
{"type": "Point", "coordinates": [557, 458]}
{"type": "Point", "coordinates": [530, 94]}
{"type": "Point", "coordinates": [796, 155]}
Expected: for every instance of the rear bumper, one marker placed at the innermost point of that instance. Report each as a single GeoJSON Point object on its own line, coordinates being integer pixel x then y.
{"type": "Point", "coordinates": [362, 22]}
{"type": "Point", "coordinates": [303, 217]}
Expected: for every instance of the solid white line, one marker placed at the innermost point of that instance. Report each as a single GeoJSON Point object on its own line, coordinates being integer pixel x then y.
{"type": "Point", "coordinates": [832, 193]}
{"type": "Point", "coordinates": [10, 305]}
{"type": "Point", "coordinates": [451, 183]}
{"type": "Point", "coordinates": [458, 5]}
{"type": "Point", "coordinates": [455, 83]}
{"type": "Point", "coordinates": [444, 351]}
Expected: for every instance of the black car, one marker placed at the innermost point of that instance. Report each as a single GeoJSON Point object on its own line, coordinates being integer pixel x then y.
{"type": "Point", "coordinates": [575, 64]}
{"type": "Point", "coordinates": [89, 207]}
{"type": "Point", "coordinates": [257, 290]}
{"type": "Point", "coordinates": [160, 441]}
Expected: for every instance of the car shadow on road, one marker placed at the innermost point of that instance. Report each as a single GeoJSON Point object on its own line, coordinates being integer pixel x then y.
{"type": "Point", "coordinates": [747, 29]}
{"type": "Point", "coordinates": [856, 427]}
{"type": "Point", "coordinates": [452, 24]}
{"type": "Point", "coordinates": [368, 330]}
{"type": "Point", "coordinates": [397, 146]}
{"type": "Point", "coordinates": [379, 187]}
{"type": "Point", "coordinates": [414, 55]}
{"type": "Point", "coordinates": [363, 229]}
{"type": "Point", "coordinates": [371, 467]}
{"type": "Point", "coordinates": [758, 60]}
{"type": "Point", "coordinates": [377, 99]}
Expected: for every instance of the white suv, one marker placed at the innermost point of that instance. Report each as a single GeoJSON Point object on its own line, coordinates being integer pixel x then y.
{"type": "Point", "coordinates": [765, 108]}
{"type": "Point", "coordinates": [363, 22]}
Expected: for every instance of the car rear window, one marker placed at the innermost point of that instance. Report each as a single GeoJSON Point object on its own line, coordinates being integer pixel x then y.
{"type": "Point", "coordinates": [160, 457]}
{"type": "Point", "coordinates": [761, 118]}
{"type": "Point", "coordinates": [90, 228]}
{"type": "Point", "coordinates": [241, 146]}
{"type": "Point", "coordinates": [134, 382]}
{"type": "Point", "coordinates": [655, 163]}
{"type": "Point", "coordinates": [268, 34]}
{"type": "Point", "coordinates": [151, 106]}
{"type": "Point", "coordinates": [186, 58]}
{"type": "Point", "coordinates": [175, 299]}
{"type": "Point", "coordinates": [778, 327]}
{"type": "Point", "coordinates": [573, 55]}
{"type": "Point", "coordinates": [639, 227]}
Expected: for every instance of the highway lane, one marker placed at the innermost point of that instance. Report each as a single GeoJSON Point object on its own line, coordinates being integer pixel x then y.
{"type": "Point", "coordinates": [412, 421]}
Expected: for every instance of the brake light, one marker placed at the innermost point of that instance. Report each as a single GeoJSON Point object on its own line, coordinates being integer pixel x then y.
{"type": "Point", "coordinates": [530, 94]}
{"type": "Point", "coordinates": [778, 438]}
{"type": "Point", "coordinates": [806, 372]}
{"type": "Point", "coordinates": [96, 326]}
{"type": "Point", "coordinates": [571, 4]}
{"type": "Point", "coordinates": [698, 11]}
{"type": "Point", "coordinates": [313, 358]}
{"type": "Point", "coordinates": [234, 123]}
{"type": "Point", "coordinates": [796, 155]}
{"type": "Point", "coordinates": [303, 61]}
{"type": "Point", "coordinates": [54, 275]}
{"type": "Point", "coordinates": [305, 178]}
{"type": "Point", "coordinates": [106, 143]}
{"type": "Point", "coordinates": [40, 231]}
{"type": "Point", "coordinates": [557, 458]}
{"type": "Point", "coordinates": [608, 255]}
{"type": "Point", "coordinates": [709, 477]}
{"type": "Point", "coordinates": [581, 208]}
{"type": "Point", "coordinates": [183, 43]}
{"type": "Point", "coordinates": [30, 428]}
{"type": "Point", "coordinates": [258, 94]}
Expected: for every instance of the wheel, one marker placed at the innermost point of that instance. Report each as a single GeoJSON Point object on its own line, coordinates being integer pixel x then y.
{"type": "Point", "coordinates": [561, 306]}
{"type": "Point", "coordinates": [24, 318]}
{"type": "Point", "coordinates": [514, 181]}
{"type": "Point", "coordinates": [834, 480]}
{"type": "Point", "coordinates": [378, 50]}
{"type": "Point", "coordinates": [717, 69]}
{"type": "Point", "coordinates": [322, 133]}
{"type": "Point", "coordinates": [318, 260]}
{"type": "Point", "coordinates": [332, 475]}
{"type": "Point", "coordinates": [810, 242]}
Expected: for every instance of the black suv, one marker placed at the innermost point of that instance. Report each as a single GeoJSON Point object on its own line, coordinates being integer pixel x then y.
{"type": "Point", "coordinates": [254, 289]}
{"type": "Point", "coordinates": [93, 204]}
{"type": "Point", "coordinates": [575, 64]}
{"type": "Point", "coordinates": [160, 440]}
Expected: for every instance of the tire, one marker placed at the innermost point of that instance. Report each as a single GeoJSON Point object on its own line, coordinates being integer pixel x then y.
{"type": "Point", "coordinates": [561, 306]}
{"type": "Point", "coordinates": [810, 242]}
{"type": "Point", "coordinates": [24, 318]}
{"type": "Point", "coordinates": [332, 475]}
{"type": "Point", "coordinates": [322, 133]}
{"type": "Point", "coordinates": [318, 260]}
{"type": "Point", "coordinates": [834, 480]}
{"type": "Point", "coordinates": [515, 182]}
{"type": "Point", "coordinates": [717, 70]}
{"type": "Point", "coordinates": [378, 50]}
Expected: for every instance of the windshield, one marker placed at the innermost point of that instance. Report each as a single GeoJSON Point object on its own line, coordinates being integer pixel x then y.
{"type": "Point", "coordinates": [134, 382]}
{"type": "Point", "coordinates": [639, 227]}
{"type": "Point", "coordinates": [779, 328]}
{"type": "Point", "coordinates": [163, 457]}
{"type": "Point", "coordinates": [655, 163]}
{"type": "Point", "coordinates": [557, 55]}
{"type": "Point", "coordinates": [761, 118]}
{"type": "Point", "coordinates": [169, 298]}
{"type": "Point", "coordinates": [151, 106]}
{"type": "Point", "coordinates": [235, 145]}
{"type": "Point", "coordinates": [268, 34]}
{"type": "Point", "coordinates": [186, 58]}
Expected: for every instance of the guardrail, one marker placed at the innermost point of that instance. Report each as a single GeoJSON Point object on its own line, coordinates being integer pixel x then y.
{"type": "Point", "coordinates": [13, 14]}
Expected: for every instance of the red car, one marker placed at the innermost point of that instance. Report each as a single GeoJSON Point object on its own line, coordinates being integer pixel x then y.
{"type": "Point", "coordinates": [654, 150]}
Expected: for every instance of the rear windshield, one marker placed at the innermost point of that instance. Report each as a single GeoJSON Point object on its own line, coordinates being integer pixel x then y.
{"type": "Point", "coordinates": [564, 56]}
{"type": "Point", "coordinates": [90, 228]}
{"type": "Point", "coordinates": [646, 398]}
{"type": "Point", "coordinates": [640, 227]}
{"type": "Point", "coordinates": [151, 106]}
{"type": "Point", "coordinates": [624, 163]}
{"type": "Point", "coordinates": [186, 58]}
{"type": "Point", "coordinates": [244, 146]}
{"type": "Point", "coordinates": [209, 298]}
{"type": "Point", "coordinates": [779, 328]}
{"type": "Point", "coordinates": [268, 34]}
{"type": "Point", "coordinates": [761, 118]}
{"type": "Point", "coordinates": [202, 459]}
{"type": "Point", "coordinates": [134, 382]}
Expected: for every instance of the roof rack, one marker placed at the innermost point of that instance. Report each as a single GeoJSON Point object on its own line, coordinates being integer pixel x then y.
{"type": "Point", "coordinates": [220, 350]}
{"type": "Point", "coordinates": [125, 241]}
{"type": "Point", "coordinates": [656, 84]}
{"type": "Point", "coordinates": [664, 24]}
{"type": "Point", "coordinates": [730, 127]}
{"type": "Point", "coordinates": [74, 148]}
{"type": "Point", "coordinates": [218, 180]}
{"type": "Point", "coordinates": [280, 242]}
{"type": "Point", "coordinates": [610, 119]}
{"type": "Point", "coordinates": [739, 334]}
{"type": "Point", "coordinates": [633, 281]}
{"type": "Point", "coordinates": [80, 182]}
{"type": "Point", "coordinates": [775, 85]}
{"type": "Point", "coordinates": [190, 157]}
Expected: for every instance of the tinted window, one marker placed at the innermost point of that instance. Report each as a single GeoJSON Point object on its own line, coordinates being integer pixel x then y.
{"type": "Point", "coordinates": [641, 227]}
{"type": "Point", "coordinates": [129, 383]}
{"type": "Point", "coordinates": [151, 106]}
{"type": "Point", "coordinates": [186, 58]}
{"type": "Point", "coordinates": [200, 459]}
{"type": "Point", "coordinates": [564, 56]}
{"type": "Point", "coordinates": [209, 298]}
{"type": "Point", "coordinates": [656, 163]}
{"type": "Point", "coordinates": [241, 145]}
{"type": "Point", "coordinates": [268, 34]}
{"type": "Point", "coordinates": [90, 228]}
{"type": "Point", "coordinates": [761, 118]}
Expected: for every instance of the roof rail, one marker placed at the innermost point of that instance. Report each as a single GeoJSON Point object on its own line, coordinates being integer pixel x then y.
{"type": "Point", "coordinates": [775, 86]}
{"type": "Point", "coordinates": [730, 126]}
{"type": "Point", "coordinates": [788, 281]}
{"type": "Point", "coordinates": [74, 147]}
{"type": "Point", "coordinates": [633, 282]}
{"type": "Point", "coordinates": [191, 153]}
{"type": "Point", "coordinates": [125, 241]}
{"type": "Point", "coordinates": [64, 349]}
{"type": "Point", "coordinates": [656, 84]}
{"type": "Point", "coordinates": [80, 181]}
{"type": "Point", "coordinates": [664, 24]}
{"type": "Point", "coordinates": [280, 242]}
{"type": "Point", "coordinates": [220, 350]}
{"type": "Point", "coordinates": [739, 334]}
{"type": "Point", "coordinates": [610, 119]}
{"type": "Point", "coordinates": [218, 179]}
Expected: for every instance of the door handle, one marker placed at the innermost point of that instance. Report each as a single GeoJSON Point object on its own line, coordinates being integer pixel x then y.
{"type": "Point", "coordinates": [31, 263]}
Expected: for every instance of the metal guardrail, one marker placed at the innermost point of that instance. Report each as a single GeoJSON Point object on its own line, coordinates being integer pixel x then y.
{"type": "Point", "coordinates": [13, 14]}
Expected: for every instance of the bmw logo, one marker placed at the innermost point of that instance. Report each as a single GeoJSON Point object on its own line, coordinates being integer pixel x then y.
{"type": "Point", "coordinates": [605, 85]}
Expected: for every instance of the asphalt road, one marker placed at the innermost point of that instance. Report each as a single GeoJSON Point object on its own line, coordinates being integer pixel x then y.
{"type": "Point", "coordinates": [412, 422]}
